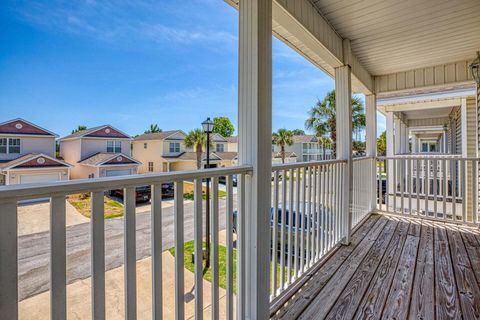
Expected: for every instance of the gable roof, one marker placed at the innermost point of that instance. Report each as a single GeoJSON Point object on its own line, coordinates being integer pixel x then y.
{"type": "Point", "coordinates": [31, 160]}
{"type": "Point", "coordinates": [304, 138]}
{"type": "Point", "coordinates": [21, 126]}
{"type": "Point", "coordinates": [287, 155]}
{"type": "Point", "coordinates": [104, 131]}
{"type": "Point", "coordinates": [158, 135]}
{"type": "Point", "coordinates": [232, 139]}
{"type": "Point", "coordinates": [104, 158]}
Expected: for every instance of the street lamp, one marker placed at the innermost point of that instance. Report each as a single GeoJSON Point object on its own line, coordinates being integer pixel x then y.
{"type": "Point", "coordinates": [475, 68]}
{"type": "Point", "coordinates": [207, 126]}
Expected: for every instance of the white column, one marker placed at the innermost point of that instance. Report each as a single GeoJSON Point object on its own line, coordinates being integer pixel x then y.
{"type": "Point", "coordinates": [414, 143]}
{"type": "Point", "coordinates": [343, 101]}
{"type": "Point", "coordinates": [371, 125]}
{"type": "Point", "coordinates": [463, 119]}
{"type": "Point", "coordinates": [445, 141]}
{"type": "Point", "coordinates": [390, 150]}
{"type": "Point", "coordinates": [255, 146]}
{"type": "Point", "coordinates": [397, 136]}
{"type": "Point", "coordinates": [371, 141]}
{"type": "Point", "coordinates": [390, 122]}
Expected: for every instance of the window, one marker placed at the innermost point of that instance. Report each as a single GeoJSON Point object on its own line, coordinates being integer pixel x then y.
{"type": "Point", "coordinates": [13, 145]}
{"type": "Point", "coordinates": [114, 146]}
{"type": "Point", "coordinates": [145, 145]}
{"type": "Point", "coordinates": [91, 176]}
{"type": "Point", "coordinates": [220, 147]}
{"type": "Point", "coordinates": [3, 145]}
{"type": "Point", "coordinates": [150, 167]}
{"type": "Point", "coordinates": [174, 147]}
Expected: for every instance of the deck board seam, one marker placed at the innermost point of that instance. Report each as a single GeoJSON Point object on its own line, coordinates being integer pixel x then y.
{"type": "Point", "coordinates": [376, 267]}
{"type": "Point", "coordinates": [379, 221]}
{"type": "Point", "coordinates": [396, 269]}
{"type": "Point", "coordinates": [372, 217]}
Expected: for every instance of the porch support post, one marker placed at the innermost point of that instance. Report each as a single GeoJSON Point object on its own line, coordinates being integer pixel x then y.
{"type": "Point", "coordinates": [371, 143]}
{"type": "Point", "coordinates": [390, 150]}
{"type": "Point", "coordinates": [343, 101]}
{"type": "Point", "coordinates": [463, 119]}
{"type": "Point", "coordinates": [397, 136]}
{"type": "Point", "coordinates": [255, 145]}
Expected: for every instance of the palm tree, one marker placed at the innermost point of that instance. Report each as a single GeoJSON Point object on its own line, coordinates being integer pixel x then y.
{"type": "Point", "coordinates": [324, 141]}
{"type": "Point", "coordinates": [79, 128]}
{"type": "Point", "coordinates": [154, 128]}
{"type": "Point", "coordinates": [282, 138]}
{"type": "Point", "coordinates": [323, 116]}
{"type": "Point", "coordinates": [196, 139]}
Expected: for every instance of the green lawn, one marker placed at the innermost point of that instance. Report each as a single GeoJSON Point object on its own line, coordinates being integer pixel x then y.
{"type": "Point", "coordinates": [82, 202]}
{"type": "Point", "coordinates": [189, 195]}
{"type": "Point", "coordinates": [207, 274]}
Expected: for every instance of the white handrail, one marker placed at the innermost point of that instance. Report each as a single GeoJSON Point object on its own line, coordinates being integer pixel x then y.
{"type": "Point", "coordinates": [39, 190]}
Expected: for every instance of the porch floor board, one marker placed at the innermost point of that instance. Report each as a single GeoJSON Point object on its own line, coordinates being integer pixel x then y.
{"type": "Point", "coordinates": [395, 268]}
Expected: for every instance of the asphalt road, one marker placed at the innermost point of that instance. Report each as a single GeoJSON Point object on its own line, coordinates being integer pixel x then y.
{"type": "Point", "coordinates": [34, 249]}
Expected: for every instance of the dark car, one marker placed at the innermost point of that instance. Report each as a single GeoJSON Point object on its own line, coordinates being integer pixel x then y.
{"type": "Point", "coordinates": [223, 180]}
{"type": "Point", "coordinates": [144, 193]}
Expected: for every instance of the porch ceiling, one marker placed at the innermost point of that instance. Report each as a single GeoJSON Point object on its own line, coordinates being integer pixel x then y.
{"type": "Point", "coordinates": [428, 113]}
{"type": "Point", "coordinates": [389, 36]}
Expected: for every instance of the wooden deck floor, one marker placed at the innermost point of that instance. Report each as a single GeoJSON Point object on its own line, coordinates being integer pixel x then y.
{"type": "Point", "coordinates": [395, 268]}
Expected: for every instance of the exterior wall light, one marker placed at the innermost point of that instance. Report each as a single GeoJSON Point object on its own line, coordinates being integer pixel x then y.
{"type": "Point", "coordinates": [475, 68]}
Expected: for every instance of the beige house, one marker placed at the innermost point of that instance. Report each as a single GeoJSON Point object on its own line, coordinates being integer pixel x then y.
{"type": "Point", "coordinates": [27, 154]}
{"type": "Point", "coordinates": [102, 151]}
{"type": "Point", "coordinates": [166, 151]}
{"type": "Point", "coordinates": [232, 144]}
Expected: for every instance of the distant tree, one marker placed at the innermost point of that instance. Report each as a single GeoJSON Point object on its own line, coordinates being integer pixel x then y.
{"type": "Point", "coordinates": [282, 138]}
{"type": "Point", "coordinates": [154, 128]}
{"type": "Point", "coordinates": [298, 132]}
{"type": "Point", "coordinates": [223, 126]}
{"type": "Point", "coordinates": [382, 144]}
{"type": "Point", "coordinates": [326, 143]}
{"type": "Point", "coordinates": [79, 128]}
{"type": "Point", "coordinates": [196, 139]}
{"type": "Point", "coordinates": [322, 118]}
{"type": "Point", "coordinates": [358, 145]}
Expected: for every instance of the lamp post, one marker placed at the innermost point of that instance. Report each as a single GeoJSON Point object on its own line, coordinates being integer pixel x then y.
{"type": "Point", "coordinates": [207, 126]}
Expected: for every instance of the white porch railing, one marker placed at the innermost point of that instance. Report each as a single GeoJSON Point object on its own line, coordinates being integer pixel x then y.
{"type": "Point", "coordinates": [57, 192]}
{"type": "Point", "coordinates": [430, 187]}
{"type": "Point", "coordinates": [306, 221]}
{"type": "Point", "coordinates": [364, 189]}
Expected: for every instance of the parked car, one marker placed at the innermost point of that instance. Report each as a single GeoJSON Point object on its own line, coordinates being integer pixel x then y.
{"type": "Point", "coordinates": [144, 193]}
{"type": "Point", "coordinates": [327, 218]}
{"type": "Point", "coordinates": [223, 180]}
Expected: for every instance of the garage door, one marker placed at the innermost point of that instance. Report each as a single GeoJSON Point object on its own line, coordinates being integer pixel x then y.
{"type": "Point", "coordinates": [116, 173]}
{"type": "Point", "coordinates": [36, 178]}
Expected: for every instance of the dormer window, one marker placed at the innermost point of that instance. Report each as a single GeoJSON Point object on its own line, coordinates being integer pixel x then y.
{"type": "Point", "coordinates": [114, 146]}
{"type": "Point", "coordinates": [174, 147]}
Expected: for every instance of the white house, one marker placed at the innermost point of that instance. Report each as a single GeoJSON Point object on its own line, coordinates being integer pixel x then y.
{"type": "Point", "coordinates": [27, 154]}
{"type": "Point", "coordinates": [102, 151]}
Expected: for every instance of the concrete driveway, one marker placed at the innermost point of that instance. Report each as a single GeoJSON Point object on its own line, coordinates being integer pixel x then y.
{"type": "Point", "coordinates": [35, 217]}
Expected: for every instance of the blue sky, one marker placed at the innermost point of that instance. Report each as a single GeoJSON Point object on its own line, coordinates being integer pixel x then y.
{"type": "Point", "coordinates": [130, 64]}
